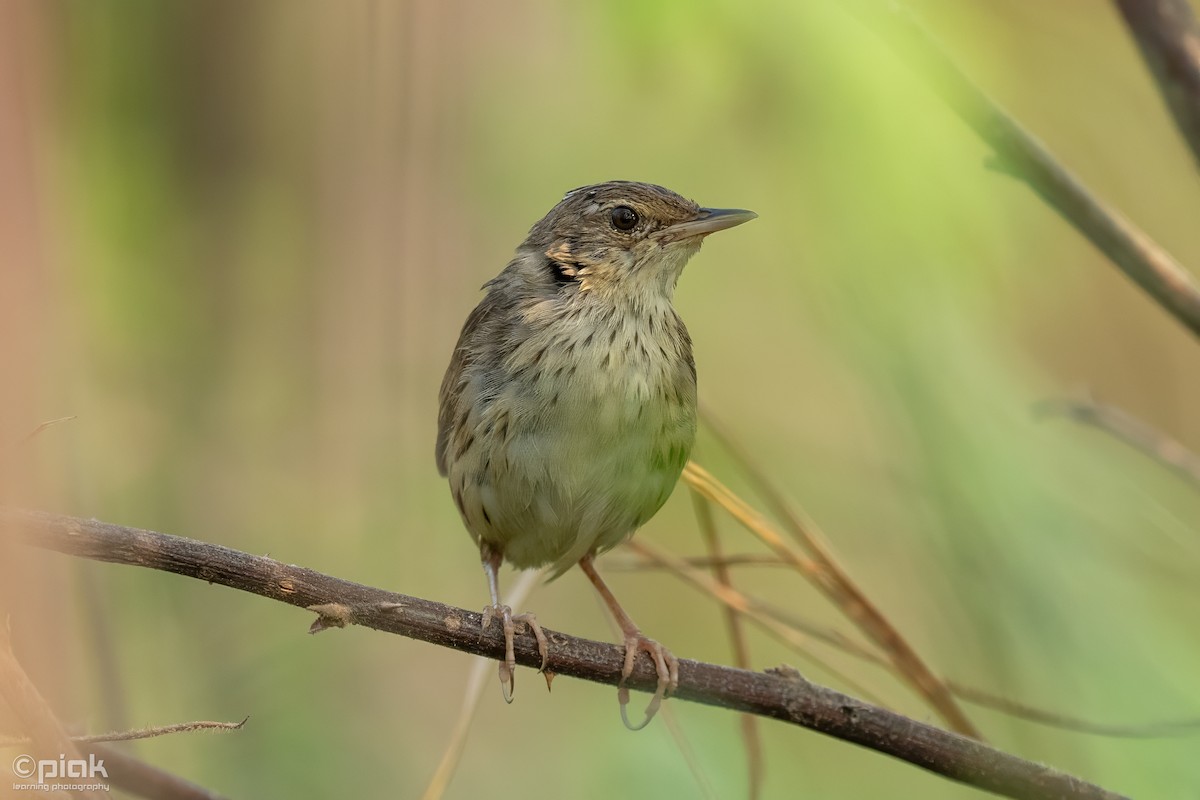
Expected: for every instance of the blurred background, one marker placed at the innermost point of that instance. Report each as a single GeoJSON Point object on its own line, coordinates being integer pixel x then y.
{"type": "Point", "coordinates": [238, 241]}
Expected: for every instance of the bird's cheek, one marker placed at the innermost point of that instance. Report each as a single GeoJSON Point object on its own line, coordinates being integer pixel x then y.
{"type": "Point", "coordinates": [683, 247]}
{"type": "Point", "coordinates": [676, 256]}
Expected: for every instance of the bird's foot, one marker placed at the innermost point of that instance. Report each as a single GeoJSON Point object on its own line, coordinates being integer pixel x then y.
{"type": "Point", "coordinates": [508, 622]}
{"type": "Point", "coordinates": [668, 676]}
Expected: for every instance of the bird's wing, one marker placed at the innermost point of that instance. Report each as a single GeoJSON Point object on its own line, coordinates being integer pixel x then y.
{"type": "Point", "coordinates": [450, 397]}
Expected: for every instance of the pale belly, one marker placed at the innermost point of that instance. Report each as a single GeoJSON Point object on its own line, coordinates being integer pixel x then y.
{"type": "Point", "coordinates": [579, 469]}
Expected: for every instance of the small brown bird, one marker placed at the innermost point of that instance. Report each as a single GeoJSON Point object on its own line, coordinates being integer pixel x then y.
{"type": "Point", "coordinates": [569, 407]}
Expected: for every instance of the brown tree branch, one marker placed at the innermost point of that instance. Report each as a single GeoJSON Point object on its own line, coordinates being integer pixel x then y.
{"type": "Point", "coordinates": [1169, 38]}
{"type": "Point", "coordinates": [1020, 154]}
{"type": "Point", "coordinates": [341, 602]}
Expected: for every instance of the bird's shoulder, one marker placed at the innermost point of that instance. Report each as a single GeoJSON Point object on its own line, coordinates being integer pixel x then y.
{"type": "Point", "coordinates": [487, 338]}
{"type": "Point", "coordinates": [450, 397]}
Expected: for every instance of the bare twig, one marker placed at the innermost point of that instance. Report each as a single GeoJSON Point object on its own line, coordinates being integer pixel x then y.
{"type": "Point", "coordinates": [42, 426]}
{"type": "Point", "coordinates": [779, 697]}
{"type": "Point", "coordinates": [1127, 428]}
{"type": "Point", "coordinates": [1020, 154]}
{"type": "Point", "coordinates": [737, 637]}
{"type": "Point", "coordinates": [1167, 34]}
{"type": "Point", "coordinates": [140, 733]}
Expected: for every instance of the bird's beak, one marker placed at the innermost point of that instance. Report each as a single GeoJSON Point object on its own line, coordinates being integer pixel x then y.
{"type": "Point", "coordinates": [709, 221]}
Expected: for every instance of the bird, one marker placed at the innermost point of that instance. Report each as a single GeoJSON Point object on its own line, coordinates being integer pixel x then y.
{"type": "Point", "coordinates": [568, 409]}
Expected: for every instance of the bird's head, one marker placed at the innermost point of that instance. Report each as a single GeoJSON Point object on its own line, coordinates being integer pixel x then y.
{"type": "Point", "coordinates": [621, 239]}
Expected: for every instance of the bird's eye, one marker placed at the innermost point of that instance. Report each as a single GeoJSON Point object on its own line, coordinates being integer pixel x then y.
{"type": "Point", "coordinates": [624, 218]}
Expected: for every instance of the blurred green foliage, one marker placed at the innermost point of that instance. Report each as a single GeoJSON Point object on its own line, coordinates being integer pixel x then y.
{"type": "Point", "coordinates": [261, 226]}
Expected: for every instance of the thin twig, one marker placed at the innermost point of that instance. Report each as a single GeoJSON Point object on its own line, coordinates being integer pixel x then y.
{"type": "Point", "coordinates": [1127, 428]}
{"type": "Point", "coordinates": [828, 576]}
{"type": "Point", "coordinates": [751, 736]}
{"type": "Point", "coordinates": [1021, 155]}
{"type": "Point", "coordinates": [1169, 38]}
{"type": "Point", "coordinates": [343, 602]}
{"type": "Point", "coordinates": [140, 733]}
{"type": "Point", "coordinates": [42, 426]}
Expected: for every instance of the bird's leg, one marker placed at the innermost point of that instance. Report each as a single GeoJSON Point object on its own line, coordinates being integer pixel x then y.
{"type": "Point", "coordinates": [635, 640]}
{"type": "Point", "coordinates": [491, 567]}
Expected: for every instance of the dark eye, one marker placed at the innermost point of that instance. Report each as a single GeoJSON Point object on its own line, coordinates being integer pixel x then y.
{"type": "Point", "coordinates": [624, 218]}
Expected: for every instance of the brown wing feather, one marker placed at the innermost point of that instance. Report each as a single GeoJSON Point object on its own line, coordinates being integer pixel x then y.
{"type": "Point", "coordinates": [450, 395]}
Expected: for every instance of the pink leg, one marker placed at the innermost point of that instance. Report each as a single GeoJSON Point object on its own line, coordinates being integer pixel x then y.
{"type": "Point", "coordinates": [666, 664]}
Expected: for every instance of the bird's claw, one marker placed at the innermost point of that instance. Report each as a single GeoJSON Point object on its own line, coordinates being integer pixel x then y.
{"type": "Point", "coordinates": [668, 676]}
{"type": "Point", "coordinates": [508, 666]}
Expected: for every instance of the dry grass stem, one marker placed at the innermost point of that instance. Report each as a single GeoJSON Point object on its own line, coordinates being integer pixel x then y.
{"type": "Point", "coordinates": [616, 563]}
{"type": "Point", "coordinates": [828, 576]}
{"type": "Point", "coordinates": [788, 632]}
{"type": "Point", "coordinates": [688, 752]}
{"type": "Point", "coordinates": [1150, 730]}
{"type": "Point", "coordinates": [751, 736]}
{"type": "Point", "coordinates": [477, 681]}
{"type": "Point", "coordinates": [778, 622]}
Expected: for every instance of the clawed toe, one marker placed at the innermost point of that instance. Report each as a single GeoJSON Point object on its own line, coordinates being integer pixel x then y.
{"type": "Point", "coordinates": [543, 645]}
{"type": "Point", "coordinates": [668, 676]}
{"type": "Point", "coordinates": [665, 664]}
{"type": "Point", "coordinates": [507, 667]}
